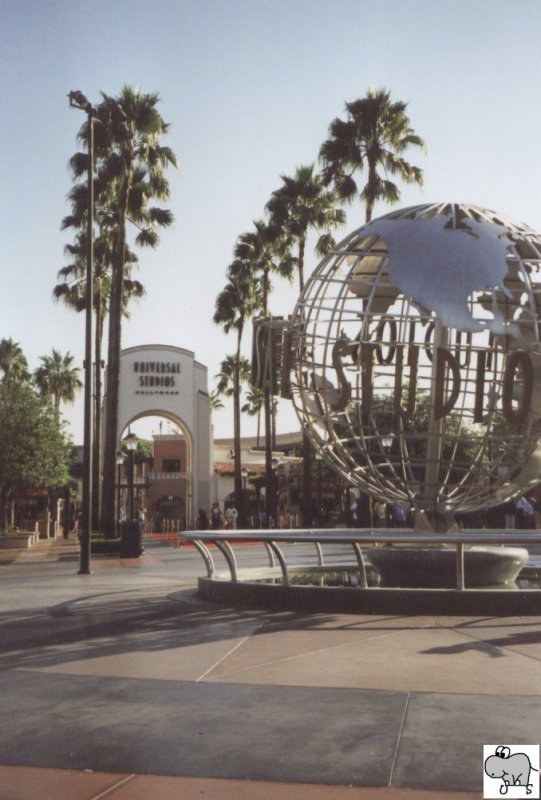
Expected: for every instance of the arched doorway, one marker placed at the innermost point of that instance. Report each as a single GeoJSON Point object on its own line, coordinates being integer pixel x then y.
{"type": "Point", "coordinates": [171, 512]}
{"type": "Point", "coordinates": [160, 478]}
{"type": "Point", "coordinates": [166, 382]}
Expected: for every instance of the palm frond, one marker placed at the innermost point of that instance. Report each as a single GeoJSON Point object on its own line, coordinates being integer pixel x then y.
{"type": "Point", "coordinates": [160, 216]}
{"type": "Point", "coordinates": [147, 237]}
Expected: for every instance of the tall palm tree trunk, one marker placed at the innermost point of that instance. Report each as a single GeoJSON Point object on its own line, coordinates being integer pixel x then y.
{"type": "Point", "coordinates": [306, 447]}
{"type": "Point", "coordinates": [258, 428]}
{"type": "Point", "coordinates": [372, 182]}
{"type": "Point", "coordinates": [269, 474]}
{"type": "Point", "coordinates": [273, 419]}
{"type": "Point", "coordinates": [306, 481]}
{"type": "Point", "coordinates": [302, 247]}
{"type": "Point", "coordinates": [96, 455]}
{"type": "Point", "coordinates": [239, 499]}
{"type": "Point", "coordinates": [113, 378]}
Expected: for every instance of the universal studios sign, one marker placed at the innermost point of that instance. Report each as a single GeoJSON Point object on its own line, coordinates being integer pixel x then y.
{"type": "Point", "coordinates": [156, 377]}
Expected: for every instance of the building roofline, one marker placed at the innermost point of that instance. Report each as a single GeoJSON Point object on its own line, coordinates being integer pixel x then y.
{"type": "Point", "coordinates": [170, 347]}
{"type": "Point", "coordinates": [251, 441]}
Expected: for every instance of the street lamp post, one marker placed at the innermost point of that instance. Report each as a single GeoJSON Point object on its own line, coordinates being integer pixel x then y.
{"type": "Point", "coordinates": [130, 441]}
{"type": "Point", "coordinates": [119, 462]}
{"type": "Point", "coordinates": [319, 495]}
{"type": "Point", "coordinates": [244, 476]}
{"type": "Point", "coordinates": [274, 465]}
{"type": "Point", "coordinates": [78, 100]}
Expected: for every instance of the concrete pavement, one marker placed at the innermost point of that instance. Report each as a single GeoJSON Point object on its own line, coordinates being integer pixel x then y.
{"type": "Point", "coordinates": [122, 684]}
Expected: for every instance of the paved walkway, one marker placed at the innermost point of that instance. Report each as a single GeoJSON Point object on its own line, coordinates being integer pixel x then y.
{"type": "Point", "coordinates": [121, 684]}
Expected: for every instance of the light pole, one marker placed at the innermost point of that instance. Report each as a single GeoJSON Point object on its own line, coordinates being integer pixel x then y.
{"type": "Point", "coordinates": [130, 440]}
{"type": "Point", "coordinates": [119, 462]}
{"type": "Point", "coordinates": [78, 100]}
{"type": "Point", "coordinates": [274, 465]}
{"type": "Point", "coordinates": [244, 476]}
{"type": "Point", "coordinates": [319, 459]}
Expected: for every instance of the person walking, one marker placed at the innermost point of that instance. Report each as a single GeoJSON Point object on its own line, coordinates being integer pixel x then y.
{"type": "Point", "coordinates": [398, 515]}
{"type": "Point", "coordinates": [380, 514]}
{"type": "Point", "coordinates": [525, 512]}
{"type": "Point", "coordinates": [216, 516]}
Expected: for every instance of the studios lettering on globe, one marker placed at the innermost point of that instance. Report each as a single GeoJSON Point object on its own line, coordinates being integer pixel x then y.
{"type": "Point", "coordinates": [463, 368]}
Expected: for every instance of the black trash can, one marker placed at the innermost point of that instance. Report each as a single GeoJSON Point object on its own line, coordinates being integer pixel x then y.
{"type": "Point", "coordinates": [131, 539]}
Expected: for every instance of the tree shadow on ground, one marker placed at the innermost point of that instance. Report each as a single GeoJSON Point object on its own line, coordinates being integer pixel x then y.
{"type": "Point", "coordinates": [495, 647]}
{"type": "Point", "coordinates": [108, 624]}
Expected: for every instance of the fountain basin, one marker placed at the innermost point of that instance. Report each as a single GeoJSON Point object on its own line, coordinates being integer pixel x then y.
{"type": "Point", "coordinates": [435, 567]}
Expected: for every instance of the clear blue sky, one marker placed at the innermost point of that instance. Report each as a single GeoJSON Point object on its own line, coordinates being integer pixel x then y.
{"type": "Point", "coordinates": [249, 88]}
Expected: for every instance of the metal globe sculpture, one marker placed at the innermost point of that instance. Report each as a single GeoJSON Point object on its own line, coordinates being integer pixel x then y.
{"type": "Point", "coordinates": [416, 358]}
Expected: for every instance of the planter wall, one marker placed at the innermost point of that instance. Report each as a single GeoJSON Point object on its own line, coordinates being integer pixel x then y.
{"type": "Point", "coordinates": [16, 541]}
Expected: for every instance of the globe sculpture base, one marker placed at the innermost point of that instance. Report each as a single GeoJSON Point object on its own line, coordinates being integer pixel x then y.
{"type": "Point", "coordinates": [484, 567]}
{"type": "Point", "coordinates": [316, 599]}
{"type": "Point", "coordinates": [429, 569]}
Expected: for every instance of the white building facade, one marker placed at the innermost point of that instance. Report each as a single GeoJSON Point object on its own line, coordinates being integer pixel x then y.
{"type": "Point", "coordinates": [167, 381]}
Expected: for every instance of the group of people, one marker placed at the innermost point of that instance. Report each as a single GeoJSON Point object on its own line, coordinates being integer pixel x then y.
{"type": "Point", "coordinates": [364, 513]}
{"type": "Point", "coordinates": [378, 514]}
{"type": "Point", "coordinates": [520, 513]}
{"type": "Point", "coordinates": [218, 519]}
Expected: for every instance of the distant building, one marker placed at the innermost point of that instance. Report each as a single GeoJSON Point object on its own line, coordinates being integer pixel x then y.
{"type": "Point", "coordinates": [168, 482]}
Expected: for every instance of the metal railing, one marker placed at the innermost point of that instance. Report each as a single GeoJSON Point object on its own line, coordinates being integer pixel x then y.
{"type": "Point", "coordinates": [272, 539]}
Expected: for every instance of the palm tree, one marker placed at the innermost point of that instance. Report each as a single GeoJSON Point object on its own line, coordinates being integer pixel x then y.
{"type": "Point", "coordinates": [226, 377]}
{"type": "Point", "coordinates": [234, 372]}
{"type": "Point", "coordinates": [72, 288]}
{"type": "Point", "coordinates": [239, 300]}
{"type": "Point", "coordinates": [13, 362]}
{"type": "Point", "coordinates": [255, 399]}
{"type": "Point", "coordinates": [130, 167]}
{"type": "Point", "coordinates": [375, 134]}
{"type": "Point", "coordinates": [58, 378]}
{"type": "Point", "coordinates": [301, 204]}
{"type": "Point", "coordinates": [72, 291]}
{"type": "Point", "coordinates": [265, 251]}
{"type": "Point", "coordinates": [215, 402]}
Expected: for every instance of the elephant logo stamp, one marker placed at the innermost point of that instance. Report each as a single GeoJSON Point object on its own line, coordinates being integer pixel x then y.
{"type": "Point", "coordinates": [511, 771]}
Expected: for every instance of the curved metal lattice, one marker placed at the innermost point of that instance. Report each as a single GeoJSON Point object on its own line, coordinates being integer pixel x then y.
{"type": "Point", "coordinates": [416, 357]}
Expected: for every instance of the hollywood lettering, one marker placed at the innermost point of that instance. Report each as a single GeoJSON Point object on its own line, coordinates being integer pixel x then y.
{"type": "Point", "coordinates": [515, 368]}
{"type": "Point", "coordinates": [156, 374]}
